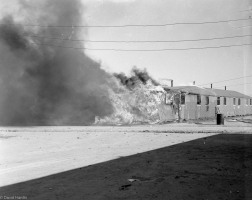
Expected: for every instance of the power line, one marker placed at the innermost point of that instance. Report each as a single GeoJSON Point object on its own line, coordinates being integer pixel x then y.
{"type": "Point", "coordinates": [131, 25]}
{"type": "Point", "coordinates": [248, 10]}
{"type": "Point", "coordinates": [138, 41]}
{"type": "Point", "coordinates": [223, 86]}
{"type": "Point", "coordinates": [242, 26]}
{"type": "Point", "coordinates": [145, 50]}
{"type": "Point", "coordinates": [234, 85]}
{"type": "Point", "coordinates": [226, 80]}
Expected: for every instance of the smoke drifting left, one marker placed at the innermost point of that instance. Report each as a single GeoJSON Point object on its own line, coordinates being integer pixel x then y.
{"type": "Point", "coordinates": [44, 85]}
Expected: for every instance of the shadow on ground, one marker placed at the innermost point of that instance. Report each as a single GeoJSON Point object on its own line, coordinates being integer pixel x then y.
{"type": "Point", "coordinates": [217, 167]}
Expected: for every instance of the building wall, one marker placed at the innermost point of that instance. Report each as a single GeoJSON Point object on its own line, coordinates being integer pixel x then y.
{"type": "Point", "coordinates": [233, 110]}
{"type": "Point", "coordinates": [207, 111]}
{"type": "Point", "coordinates": [193, 111]}
{"type": "Point", "coordinates": [166, 113]}
{"type": "Point", "coordinates": [189, 110]}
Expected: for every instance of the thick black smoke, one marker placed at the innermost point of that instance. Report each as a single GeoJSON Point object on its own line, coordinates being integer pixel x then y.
{"type": "Point", "coordinates": [137, 76]}
{"type": "Point", "coordinates": [48, 85]}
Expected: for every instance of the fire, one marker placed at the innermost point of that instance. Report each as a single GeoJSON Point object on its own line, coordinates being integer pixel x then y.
{"type": "Point", "coordinates": [45, 83]}
{"type": "Point", "coordinates": [138, 105]}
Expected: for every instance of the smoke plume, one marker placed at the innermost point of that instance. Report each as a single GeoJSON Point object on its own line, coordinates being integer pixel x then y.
{"type": "Point", "coordinates": [49, 85]}
{"type": "Point", "coordinates": [138, 76]}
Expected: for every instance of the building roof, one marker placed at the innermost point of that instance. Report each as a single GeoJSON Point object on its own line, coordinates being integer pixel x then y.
{"type": "Point", "coordinates": [208, 91]}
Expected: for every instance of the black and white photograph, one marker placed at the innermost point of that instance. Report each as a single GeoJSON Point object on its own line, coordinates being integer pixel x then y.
{"type": "Point", "coordinates": [125, 99]}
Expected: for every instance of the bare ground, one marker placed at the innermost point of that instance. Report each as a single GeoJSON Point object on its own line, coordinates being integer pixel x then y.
{"type": "Point", "coordinates": [216, 167]}
{"type": "Point", "coordinates": [169, 161]}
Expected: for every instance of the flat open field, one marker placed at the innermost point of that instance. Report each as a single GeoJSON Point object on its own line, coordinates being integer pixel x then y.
{"type": "Point", "coordinates": [181, 161]}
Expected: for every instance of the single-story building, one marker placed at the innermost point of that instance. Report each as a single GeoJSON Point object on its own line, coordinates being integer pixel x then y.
{"type": "Point", "coordinates": [192, 102]}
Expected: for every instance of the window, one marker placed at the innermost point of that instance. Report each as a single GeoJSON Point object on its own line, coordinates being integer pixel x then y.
{"type": "Point", "coordinates": [182, 99]}
{"type": "Point", "coordinates": [239, 101]}
{"type": "Point", "coordinates": [218, 100]}
{"type": "Point", "coordinates": [234, 101]}
{"type": "Point", "coordinates": [225, 101]}
{"type": "Point", "coordinates": [247, 101]}
{"type": "Point", "coordinates": [198, 99]}
{"type": "Point", "coordinates": [207, 100]}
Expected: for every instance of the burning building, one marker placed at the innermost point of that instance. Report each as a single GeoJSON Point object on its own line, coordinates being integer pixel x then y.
{"type": "Point", "coordinates": [43, 81]}
{"type": "Point", "coordinates": [198, 103]}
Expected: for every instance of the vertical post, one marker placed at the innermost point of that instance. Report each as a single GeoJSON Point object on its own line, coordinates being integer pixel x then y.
{"type": "Point", "coordinates": [211, 85]}
{"type": "Point", "coordinates": [225, 87]}
{"type": "Point", "coordinates": [179, 107]}
{"type": "Point", "coordinates": [171, 83]}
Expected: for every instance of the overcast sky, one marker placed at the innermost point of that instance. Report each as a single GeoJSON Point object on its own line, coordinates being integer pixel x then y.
{"type": "Point", "coordinates": [184, 67]}
{"type": "Point", "coordinates": [202, 66]}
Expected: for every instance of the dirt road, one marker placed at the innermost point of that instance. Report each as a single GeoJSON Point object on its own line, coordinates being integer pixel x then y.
{"type": "Point", "coordinates": [125, 162]}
